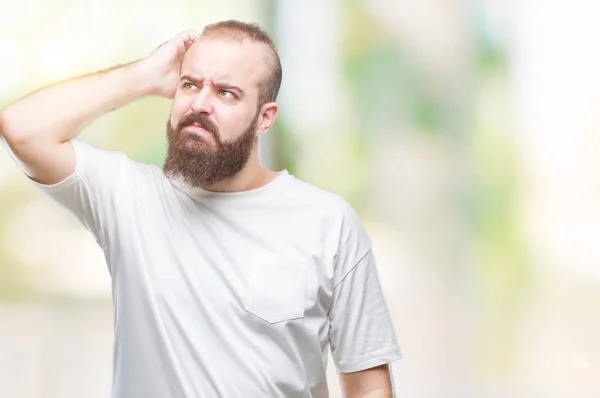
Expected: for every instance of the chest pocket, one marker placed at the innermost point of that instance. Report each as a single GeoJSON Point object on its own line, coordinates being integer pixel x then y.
{"type": "Point", "coordinates": [276, 291]}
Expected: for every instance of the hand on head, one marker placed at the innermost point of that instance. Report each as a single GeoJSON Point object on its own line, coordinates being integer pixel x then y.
{"type": "Point", "coordinates": [166, 60]}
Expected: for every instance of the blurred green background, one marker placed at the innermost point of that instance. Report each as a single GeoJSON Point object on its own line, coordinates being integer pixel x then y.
{"type": "Point", "coordinates": [465, 133]}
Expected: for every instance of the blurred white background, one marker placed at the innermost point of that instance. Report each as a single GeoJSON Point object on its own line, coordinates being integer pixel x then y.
{"type": "Point", "coordinates": [465, 133]}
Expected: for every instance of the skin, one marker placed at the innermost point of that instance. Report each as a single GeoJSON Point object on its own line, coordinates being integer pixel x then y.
{"type": "Point", "coordinates": [220, 80]}
{"type": "Point", "coordinates": [212, 65]}
{"type": "Point", "coordinates": [370, 383]}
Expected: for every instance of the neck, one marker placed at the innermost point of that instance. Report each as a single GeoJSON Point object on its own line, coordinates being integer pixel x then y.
{"type": "Point", "coordinates": [253, 176]}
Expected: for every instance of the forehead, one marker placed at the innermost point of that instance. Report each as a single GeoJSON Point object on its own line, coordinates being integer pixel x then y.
{"type": "Point", "coordinates": [243, 63]}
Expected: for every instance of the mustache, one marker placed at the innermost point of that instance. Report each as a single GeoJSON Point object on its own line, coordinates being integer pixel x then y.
{"type": "Point", "coordinates": [200, 119]}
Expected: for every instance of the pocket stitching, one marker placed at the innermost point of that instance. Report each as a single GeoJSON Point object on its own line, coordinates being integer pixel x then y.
{"type": "Point", "coordinates": [253, 291]}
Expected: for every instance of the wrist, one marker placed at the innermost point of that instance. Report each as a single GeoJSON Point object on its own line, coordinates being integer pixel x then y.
{"type": "Point", "coordinates": [148, 77]}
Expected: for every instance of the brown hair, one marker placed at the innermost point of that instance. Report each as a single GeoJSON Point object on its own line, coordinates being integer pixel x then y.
{"type": "Point", "coordinates": [236, 30]}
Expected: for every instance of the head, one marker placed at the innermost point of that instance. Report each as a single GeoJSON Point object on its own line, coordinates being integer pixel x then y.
{"type": "Point", "coordinates": [225, 101]}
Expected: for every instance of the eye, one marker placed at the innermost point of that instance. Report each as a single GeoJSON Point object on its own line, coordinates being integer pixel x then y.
{"type": "Point", "coordinates": [189, 86]}
{"type": "Point", "coordinates": [227, 94]}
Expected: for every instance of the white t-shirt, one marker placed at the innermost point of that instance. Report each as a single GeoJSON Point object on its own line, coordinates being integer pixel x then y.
{"type": "Point", "coordinates": [228, 294]}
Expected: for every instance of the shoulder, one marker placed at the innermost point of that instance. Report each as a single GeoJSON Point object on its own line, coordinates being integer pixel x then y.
{"type": "Point", "coordinates": [324, 200]}
{"type": "Point", "coordinates": [121, 171]}
{"type": "Point", "coordinates": [332, 209]}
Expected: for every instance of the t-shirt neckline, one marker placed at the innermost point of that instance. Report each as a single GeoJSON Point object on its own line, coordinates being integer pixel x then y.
{"type": "Point", "coordinates": [265, 190]}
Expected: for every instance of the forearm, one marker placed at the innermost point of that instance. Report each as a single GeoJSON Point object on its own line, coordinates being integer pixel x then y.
{"type": "Point", "coordinates": [378, 393]}
{"type": "Point", "coordinates": [369, 383]}
{"type": "Point", "coordinates": [58, 112]}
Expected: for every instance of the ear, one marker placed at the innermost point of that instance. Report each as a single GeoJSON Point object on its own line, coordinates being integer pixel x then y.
{"type": "Point", "coordinates": [266, 118]}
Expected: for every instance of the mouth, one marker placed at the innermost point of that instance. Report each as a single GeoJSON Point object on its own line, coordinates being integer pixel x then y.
{"type": "Point", "coordinates": [196, 128]}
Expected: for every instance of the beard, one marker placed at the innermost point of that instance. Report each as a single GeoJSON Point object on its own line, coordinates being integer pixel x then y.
{"type": "Point", "coordinates": [201, 160]}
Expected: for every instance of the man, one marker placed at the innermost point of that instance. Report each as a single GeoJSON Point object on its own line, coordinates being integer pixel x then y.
{"type": "Point", "coordinates": [228, 279]}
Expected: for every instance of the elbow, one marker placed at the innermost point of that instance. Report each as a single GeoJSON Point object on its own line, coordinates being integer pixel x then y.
{"type": "Point", "coordinates": [14, 133]}
{"type": "Point", "coordinates": [3, 123]}
{"type": "Point", "coordinates": [6, 128]}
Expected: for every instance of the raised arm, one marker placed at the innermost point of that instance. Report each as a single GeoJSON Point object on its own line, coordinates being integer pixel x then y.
{"type": "Point", "coordinates": [38, 127]}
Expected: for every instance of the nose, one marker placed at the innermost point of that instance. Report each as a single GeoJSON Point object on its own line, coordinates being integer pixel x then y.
{"type": "Point", "coordinates": [202, 102]}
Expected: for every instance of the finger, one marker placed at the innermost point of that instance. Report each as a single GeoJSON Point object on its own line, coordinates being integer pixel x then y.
{"type": "Point", "coordinates": [187, 44]}
{"type": "Point", "coordinates": [193, 35]}
{"type": "Point", "coordinates": [188, 35]}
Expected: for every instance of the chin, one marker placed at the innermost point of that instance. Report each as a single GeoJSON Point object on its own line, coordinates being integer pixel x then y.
{"type": "Point", "coordinates": [196, 142]}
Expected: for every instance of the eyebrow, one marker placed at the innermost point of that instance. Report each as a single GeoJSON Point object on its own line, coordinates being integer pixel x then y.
{"type": "Point", "coordinates": [221, 85]}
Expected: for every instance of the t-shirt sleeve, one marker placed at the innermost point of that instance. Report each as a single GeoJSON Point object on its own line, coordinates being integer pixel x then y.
{"type": "Point", "coordinates": [90, 192]}
{"type": "Point", "coordinates": [361, 333]}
